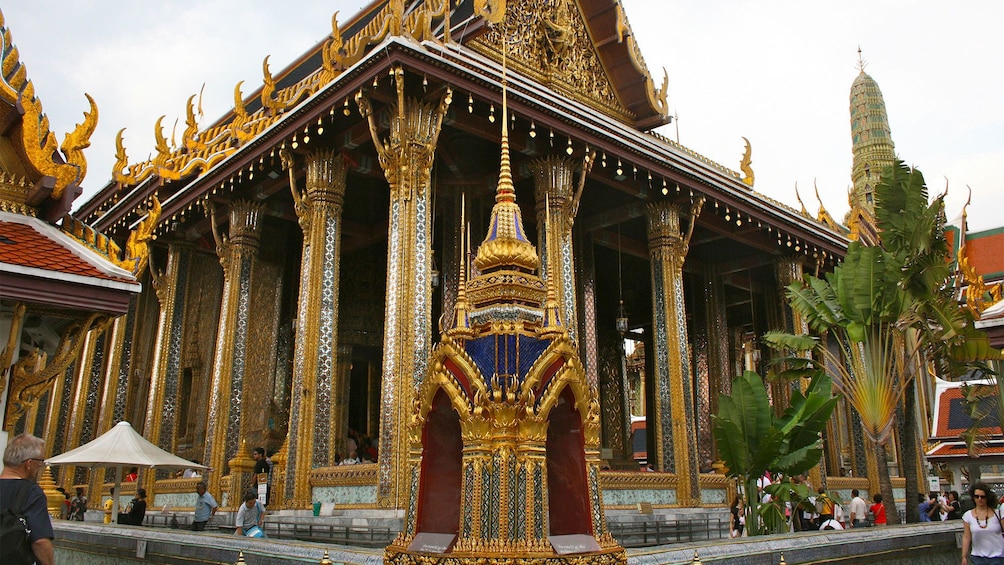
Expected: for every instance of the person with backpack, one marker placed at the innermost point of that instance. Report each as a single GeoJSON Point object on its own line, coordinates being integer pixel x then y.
{"type": "Point", "coordinates": [25, 528]}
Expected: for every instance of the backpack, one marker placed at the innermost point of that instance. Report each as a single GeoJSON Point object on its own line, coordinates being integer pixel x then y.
{"type": "Point", "coordinates": [15, 546]}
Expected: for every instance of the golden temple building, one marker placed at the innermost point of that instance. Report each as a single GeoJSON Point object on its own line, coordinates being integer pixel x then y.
{"type": "Point", "coordinates": [307, 253]}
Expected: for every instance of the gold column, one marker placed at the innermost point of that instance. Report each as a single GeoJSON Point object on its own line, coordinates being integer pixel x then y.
{"type": "Point", "coordinates": [237, 253]}
{"type": "Point", "coordinates": [83, 406]}
{"type": "Point", "coordinates": [170, 287]}
{"type": "Point", "coordinates": [315, 428]}
{"type": "Point", "coordinates": [674, 428]}
{"type": "Point", "coordinates": [406, 156]}
{"type": "Point", "coordinates": [789, 270]}
{"type": "Point", "coordinates": [552, 177]}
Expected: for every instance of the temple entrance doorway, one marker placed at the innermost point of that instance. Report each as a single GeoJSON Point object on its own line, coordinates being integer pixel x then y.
{"type": "Point", "coordinates": [568, 493]}
{"type": "Point", "coordinates": [442, 454]}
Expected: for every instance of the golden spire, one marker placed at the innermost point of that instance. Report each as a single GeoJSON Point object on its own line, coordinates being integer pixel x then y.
{"type": "Point", "coordinates": [461, 323]}
{"type": "Point", "coordinates": [506, 243]}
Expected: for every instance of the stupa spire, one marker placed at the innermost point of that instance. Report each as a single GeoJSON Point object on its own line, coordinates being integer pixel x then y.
{"type": "Point", "coordinates": [871, 137]}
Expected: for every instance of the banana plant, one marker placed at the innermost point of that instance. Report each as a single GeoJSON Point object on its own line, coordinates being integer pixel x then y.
{"type": "Point", "coordinates": [751, 440]}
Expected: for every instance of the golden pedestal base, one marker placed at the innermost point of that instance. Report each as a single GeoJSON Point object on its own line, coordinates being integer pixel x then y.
{"type": "Point", "coordinates": [395, 555]}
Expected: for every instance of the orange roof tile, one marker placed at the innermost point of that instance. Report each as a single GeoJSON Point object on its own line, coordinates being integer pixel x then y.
{"type": "Point", "coordinates": [29, 243]}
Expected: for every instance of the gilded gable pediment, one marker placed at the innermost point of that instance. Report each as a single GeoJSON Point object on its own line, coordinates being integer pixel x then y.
{"type": "Point", "coordinates": [549, 41]}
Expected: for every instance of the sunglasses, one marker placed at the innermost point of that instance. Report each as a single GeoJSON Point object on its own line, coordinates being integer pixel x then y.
{"type": "Point", "coordinates": [979, 496]}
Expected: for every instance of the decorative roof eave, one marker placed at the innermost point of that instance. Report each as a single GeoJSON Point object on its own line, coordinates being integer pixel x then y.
{"type": "Point", "coordinates": [27, 128]}
{"type": "Point", "coordinates": [662, 156]}
{"type": "Point", "coordinates": [616, 45]}
{"type": "Point", "coordinates": [471, 72]}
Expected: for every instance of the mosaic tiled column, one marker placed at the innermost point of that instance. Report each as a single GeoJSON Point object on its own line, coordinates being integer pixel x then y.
{"type": "Point", "coordinates": [587, 328]}
{"type": "Point", "coordinates": [673, 414]}
{"type": "Point", "coordinates": [237, 254]}
{"type": "Point", "coordinates": [58, 416]}
{"type": "Point", "coordinates": [86, 394]}
{"type": "Point", "coordinates": [789, 270]}
{"type": "Point", "coordinates": [719, 368]}
{"type": "Point", "coordinates": [116, 378]}
{"type": "Point", "coordinates": [171, 287]}
{"type": "Point", "coordinates": [406, 156]}
{"type": "Point", "coordinates": [315, 432]}
{"type": "Point", "coordinates": [552, 177]}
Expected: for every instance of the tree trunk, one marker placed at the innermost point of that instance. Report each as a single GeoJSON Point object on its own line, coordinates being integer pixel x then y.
{"type": "Point", "coordinates": [885, 485]}
{"type": "Point", "coordinates": [908, 435]}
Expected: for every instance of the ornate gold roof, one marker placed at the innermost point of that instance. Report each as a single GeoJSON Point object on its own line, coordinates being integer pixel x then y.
{"type": "Point", "coordinates": [33, 152]}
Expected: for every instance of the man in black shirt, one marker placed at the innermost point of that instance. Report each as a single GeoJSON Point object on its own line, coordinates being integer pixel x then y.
{"type": "Point", "coordinates": [22, 461]}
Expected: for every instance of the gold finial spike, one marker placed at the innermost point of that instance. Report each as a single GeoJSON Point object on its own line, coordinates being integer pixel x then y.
{"type": "Point", "coordinates": [696, 560]}
{"type": "Point", "coordinates": [240, 559]}
{"type": "Point", "coordinates": [505, 191]}
{"type": "Point", "coordinates": [325, 560]}
{"type": "Point", "coordinates": [861, 61]}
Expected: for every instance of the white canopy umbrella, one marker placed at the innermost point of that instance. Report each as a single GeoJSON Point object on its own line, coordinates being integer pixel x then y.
{"type": "Point", "coordinates": [118, 447]}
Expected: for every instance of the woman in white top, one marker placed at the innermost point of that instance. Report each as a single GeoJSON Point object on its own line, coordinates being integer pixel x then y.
{"type": "Point", "coordinates": [982, 529]}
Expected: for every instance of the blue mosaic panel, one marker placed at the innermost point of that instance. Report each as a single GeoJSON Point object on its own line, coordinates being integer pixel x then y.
{"type": "Point", "coordinates": [521, 503]}
{"type": "Point", "coordinates": [239, 355]}
{"type": "Point", "coordinates": [122, 384]}
{"type": "Point", "coordinates": [538, 502]}
{"type": "Point", "coordinates": [468, 530]}
{"type": "Point", "coordinates": [663, 416]}
{"type": "Point", "coordinates": [326, 343]}
{"type": "Point", "coordinates": [505, 354]}
{"type": "Point", "coordinates": [172, 371]}
{"type": "Point", "coordinates": [389, 382]}
{"type": "Point", "coordinates": [297, 385]}
{"type": "Point", "coordinates": [513, 495]}
{"type": "Point", "coordinates": [66, 384]}
{"type": "Point", "coordinates": [93, 390]}
{"type": "Point", "coordinates": [570, 317]}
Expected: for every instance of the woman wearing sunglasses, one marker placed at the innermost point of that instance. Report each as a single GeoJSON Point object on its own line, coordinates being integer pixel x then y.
{"type": "Point", "coordinates": [982, 529]}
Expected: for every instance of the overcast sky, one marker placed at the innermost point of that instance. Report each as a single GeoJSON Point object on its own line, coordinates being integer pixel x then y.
{"type": "Point", "coordinates": [777, 72]}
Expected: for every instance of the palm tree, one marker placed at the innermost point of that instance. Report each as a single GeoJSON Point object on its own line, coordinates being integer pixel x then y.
{"type": "Point", "coordinates": [888, 307]}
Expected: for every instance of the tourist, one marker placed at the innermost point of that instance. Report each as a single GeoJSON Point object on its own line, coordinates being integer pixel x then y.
{"type": "Point", "coordinates": [878, 510]}
{"type": "Point", "coordinates": [859, 509]}
{"type": "Point", "coordinates": [737, 520]}
{"type": "Point", "coordinates": [982, 530]}
{"type": "Point", "coordinates": [352, 459]}
{"type": "Point", "coordinates": [824, 506]}
{"type": "Point", "coordinates": [108, 504]}
{"type": "Point", "coordinates": [205, 508]}
{"type": "Point", "coordinates": [250, 514]}
{"type": "Point", "coordinates": [20, 493]}
{"type": "Point", "coordinates": [65, 507]}
{"type": "Point", "coordinates": [135, 511]}
{"type": "Point", "coordinates": [132, 475]}
{"type": "Point", "coordinates": [191, 473]}
{"type": "Point", "coordinates": [260, 465]}
{"type": "Point", "coordinates": [924, 504]}
{"type": "Point", "coordinates": [954, 507]}
{"type": "Point", "coordinates": [78, 506]}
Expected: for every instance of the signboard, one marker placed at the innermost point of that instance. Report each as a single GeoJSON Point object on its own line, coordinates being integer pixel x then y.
{"type": "Point", "coordinates": [262, 479]}
{"type": "Point", "coordinates": [933, 484]}
{"type": "Point", "coordinates": [574, 543]}
{"type": "Point", "coordinates": [429, 542]}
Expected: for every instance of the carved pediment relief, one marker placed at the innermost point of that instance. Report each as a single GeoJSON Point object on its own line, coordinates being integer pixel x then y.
{"type": "Point", "coordinates": [548, 41]}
